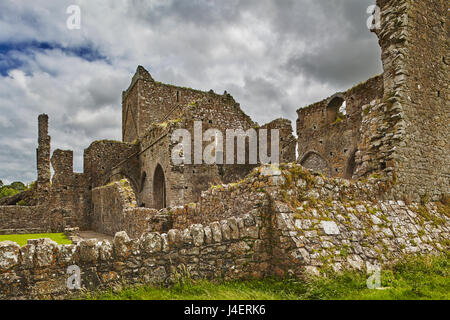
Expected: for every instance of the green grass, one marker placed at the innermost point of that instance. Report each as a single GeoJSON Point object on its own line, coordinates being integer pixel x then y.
{"type": "Point", "coordinates": [21, 239]}
{"type": "Point", "coordinates": [416, 279]}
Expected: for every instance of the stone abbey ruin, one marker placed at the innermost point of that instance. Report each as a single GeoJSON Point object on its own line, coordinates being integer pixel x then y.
{"type": "Point", "coordinates": [367, 187]}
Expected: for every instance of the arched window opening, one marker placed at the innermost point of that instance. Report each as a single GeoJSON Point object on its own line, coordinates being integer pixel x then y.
{"type": "Point", "coordinates": [159, 188]}
{"type": "Point", "coordinates": [314, 161]}
{"type": "Point", "coordinates": [336, 110]}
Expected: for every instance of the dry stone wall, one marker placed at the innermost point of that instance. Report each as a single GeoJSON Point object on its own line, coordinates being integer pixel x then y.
{"type": "Point", "coordinates": [232, 249]}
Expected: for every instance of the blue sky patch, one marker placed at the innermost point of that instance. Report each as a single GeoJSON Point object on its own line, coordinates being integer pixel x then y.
{"type": "Point", "coordinates": [9, 59]}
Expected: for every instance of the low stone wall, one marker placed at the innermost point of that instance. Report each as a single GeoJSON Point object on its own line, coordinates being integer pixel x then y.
{"type": "Point", "coordinates": [114, 210]}
{"type": "Point", "coordinates": [232, 249]}
{"type": "Point", "coordinates": [20, 219]}
{"type": "Point", "coordinates": [137, 221]}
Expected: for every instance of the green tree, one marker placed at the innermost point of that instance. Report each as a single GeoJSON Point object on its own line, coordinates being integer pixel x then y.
{"type": "Point", "coordinates": [19, 186]}
{"type": "Point", "coordinates": [6, 191]}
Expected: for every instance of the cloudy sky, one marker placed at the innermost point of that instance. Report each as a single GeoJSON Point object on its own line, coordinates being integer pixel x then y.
{"type": "Point", "coordinates": [273, 56]}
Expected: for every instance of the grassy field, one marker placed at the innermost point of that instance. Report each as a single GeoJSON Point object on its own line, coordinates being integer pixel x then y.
{"type": "Point", "coordinates": [21, 239]}
{"type": "Point", "coordinates": [417, 279]}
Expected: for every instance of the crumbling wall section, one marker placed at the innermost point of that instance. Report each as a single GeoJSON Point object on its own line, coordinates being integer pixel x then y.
{"type": "Point", "coordinates": [24, 220]}
{"type": "Point", "coordinates": [329, 131]}
{"type": "Point", "coordinates": [423, 155]}
{"type": "Point", "coordinates": [109, 203]}
{"type": "Point", "coordinates": [325, 224]}
{"type": "Point", "coordinates": [106, 159]}
{"type": "Point", "coordinates": [287, 142]}
{"type": "Point", "coordinates": [70, 193]}
{"type": "Point", "coordinates": [405, 134]}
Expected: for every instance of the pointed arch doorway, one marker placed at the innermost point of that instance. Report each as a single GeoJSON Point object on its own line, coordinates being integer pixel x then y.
{"type": "Point", "coordinates": [159, 188]}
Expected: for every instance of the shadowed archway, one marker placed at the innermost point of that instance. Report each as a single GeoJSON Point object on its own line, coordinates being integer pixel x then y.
{"type": "Point", "coordinates": [313, 160]}
{"type": "Point", "coordinates": [159, 188]}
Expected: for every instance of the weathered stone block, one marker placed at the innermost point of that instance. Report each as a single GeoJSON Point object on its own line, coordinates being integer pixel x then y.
{"type": "Point", "coordinates": [208, 235]}
{"type": "Point", "coordinates": [187, 237]}
{"type": "Point", "coordinates": [226, 231]}
{"type": "Point", "coordinates": [198, 234]}
{"type": "Point", "coordinates": [232, 222]}
{"type": "Point", "coordinates": [165, 242]}
{"type": "Point", "coordinates": [216, 232]}
{"type": "Point", "coordinates": [89, 251]}
{"type": "Point", "coordinates": [105, 251]}
{"type": "Point", "coordinates": [122, 245]}
{"type": "Point", "coordinates": [27, 256]}
{"type": "Point", "coordinates": [46, 251]}
{"type": "Point", "coordinates": [151, 242]}
{"type": "Point", "coordinates": [330, 227]}
{"type": "Point", "coordinates": [9, 255]}
{"type": "Point", "coordinates": [175, 238]}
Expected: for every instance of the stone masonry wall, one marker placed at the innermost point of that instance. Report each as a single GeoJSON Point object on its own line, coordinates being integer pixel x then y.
{"type": "Point", "coordinates": [104, 159]}
{"type": "Point", "coordinates": [405, 134]}
{"type": "Point", "coordinates": [327, 139]}
{"type": "Point", "coordinates": [109, 203]}
{"type": "Point", "coordinates": [43, 160]}
{"type": "Point", "coordinates": [306, 224]}
{"type": "Point", "coordinates": [36, 219]}
{"type": "Point", "coordinates": [70, 193]}
{"type": "Point", "coordinates": [38, 270]}
{"type": "Point", "coordinates": [423, 159]}
{"type": "Point", "coordinates": [325, 225]}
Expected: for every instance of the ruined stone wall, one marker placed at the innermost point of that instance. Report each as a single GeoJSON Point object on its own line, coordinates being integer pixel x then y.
{"type": "Point", "coordinates": [23, 220]}
{"type": "Point", "coordinates": [324, 224]}
{"type": "Point", "coordinates": [43, 160]}
{"type": "Point", "coordinates": [287, 142]}
{"type": "Point", "coordinates": [219, 203]}
{"type": "Point", "coordinates": [130, 108]}
{"type": "Point", "coordinates": [156, 152]}
{"type": "Point", "coordinates": [138, 221]}
{"type": "Point", "coordinates": [70, 193]}
{"type": "Point", "coordinates": [152, 111]}
{"type": "Point", "coordinates": [109, 203]}
{"type": "Point", "coordinates": [106, 161]}
{"type": "Point", "coordinates": [115, 209]}
{"type": "Point", "coordinates": [329, 139]}
{"type": "Point", "coordinates": [308, 225]}
{"type": "Point", "coordinates": [185, 183]}
{"type": "Point", "coordinates": [148, 102]}
{"type": "Point", "coordinates": [405, 133]}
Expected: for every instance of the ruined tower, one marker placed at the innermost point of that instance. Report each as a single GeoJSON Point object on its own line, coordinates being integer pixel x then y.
{"type": "Point", "coordinates": [43, 159]}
